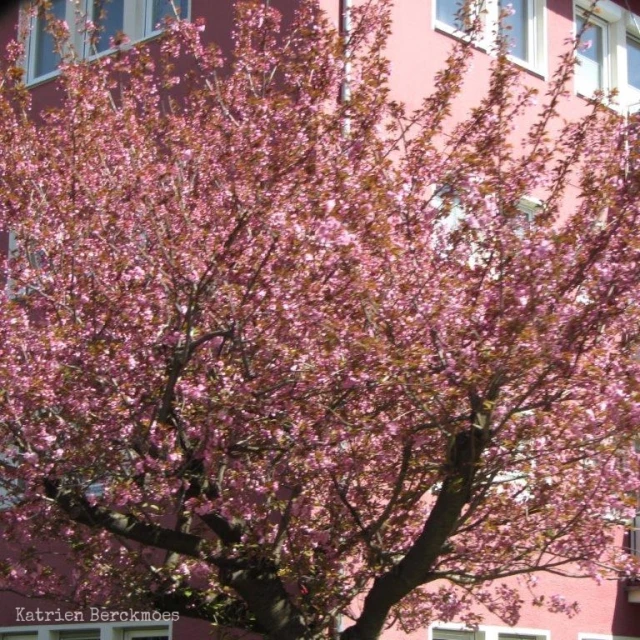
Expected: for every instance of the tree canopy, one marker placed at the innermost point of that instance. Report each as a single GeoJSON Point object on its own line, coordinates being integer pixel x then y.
{"type": "Point", "coordinates": [270, 356]}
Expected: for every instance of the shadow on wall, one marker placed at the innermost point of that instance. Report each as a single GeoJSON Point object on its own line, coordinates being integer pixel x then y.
{"type": "Point", "coordinates": [217, 14]}
{"type": "Point", "coordinates": [219, 18]}
{"type": "Point", "coordinates": [626, 617]}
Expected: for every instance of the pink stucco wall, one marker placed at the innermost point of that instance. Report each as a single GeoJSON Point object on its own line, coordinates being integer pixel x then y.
{"type": "Point", "coordinates": [604, 610]}
{"type": "Point", "coordinates": [417, 51]}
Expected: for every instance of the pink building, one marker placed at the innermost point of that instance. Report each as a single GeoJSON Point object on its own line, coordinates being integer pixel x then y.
{"type": "Point", "coordinates": [423, 32]}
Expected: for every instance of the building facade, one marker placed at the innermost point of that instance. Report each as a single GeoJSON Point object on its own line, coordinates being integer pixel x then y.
{"type": "Point", "coordinates": [423, 32]}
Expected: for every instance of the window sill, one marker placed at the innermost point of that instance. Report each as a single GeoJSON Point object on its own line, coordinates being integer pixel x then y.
{"type": "Point", "coordinates": [452, 32]}
{"type": "Point", "coordinates": [52, 75]}
{"type": "Point", "coordinates": [47, 77]}
{"type": "Point", "coordinates": [448, 30]}
{"type": "Point", "coordinates": [623, 108]}
{"type": "Point", "coordinates": [531, 69]}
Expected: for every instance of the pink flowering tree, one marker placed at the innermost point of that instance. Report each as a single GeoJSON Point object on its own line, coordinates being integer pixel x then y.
{"type": "Point", "coordinates": [271, 358]}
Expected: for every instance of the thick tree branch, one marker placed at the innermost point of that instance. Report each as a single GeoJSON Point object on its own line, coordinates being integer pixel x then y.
{"type": "Point", "coordinates": [264, 593]}
{"type": "Point", "coordinates": [127, 526]}
{"type": "Point", "coordinates": [414, 569]}
{"type": "Point", "coordinates": [229, 532]}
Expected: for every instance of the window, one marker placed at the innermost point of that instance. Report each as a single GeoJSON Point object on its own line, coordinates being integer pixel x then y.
{"type": "Point", "coordinates": [449, 631]}
{"type": "Point", "coordinates": [43, 55]}
{"type": "Point", "coordinates": [79, 635]}
{"type": "Point", "coordinates": [36, 259]}
{"type": "Point", "coordinates": [527, 634]}
{"type": "Point", "coordinates": [113, 17]}
{"type": "Point", "coordinates": [11, 487]}
{"type": "Point", "coordinates": [452, 634]}
{"type": "Point", "coordinates": [445, 199]}
{"type": "Point", "coordinates": [95, 632]}
{"type": "Point", "coordinates": [136, 19]}
{"type": "Point", "coordinates": [159, 10]}
{"type": "Point", "coordinates": [522, 22]}
{"type": "Point", "coordinates": [633, 70]}
{"type": "Point", "coordinates": [447, 13]}
{"type": "Point", "coordinates": [594, 41]}
{"type": "Point", "coordinates": [529, 208]}
{"type": "Point", "coordinates": [610, 54]}
{"type": "Point", "coordinates": [634, 537]}
{"type": "Point", "coordinates": [148, 634]}
{"type": "Point", "coordinates": [517, 26]}
{"type": "Point", "coordinates": [108, 17]}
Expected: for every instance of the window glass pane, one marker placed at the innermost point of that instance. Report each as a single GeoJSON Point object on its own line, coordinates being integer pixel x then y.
{"type": "Point", "coordinates": [589, 74]}
{"type": "Point", "coordinates": [167, 9]}
{"type": "Point", "coordinates": [447, 634]}
{"type": "Point", "coordinates": [446, 11]}
{"type": "Point", "coordinates": [79, 635]}
{"type": "Point", "coordinates": [108, 16]}
{"type": "Point", "coordinates": [516, 26]}
{"type": "Point", "coordinates": [591, 38]}
{"type": "Point", "coordinates": [633, 63]}
{"type": "Point", "coordinates": [46, 58]}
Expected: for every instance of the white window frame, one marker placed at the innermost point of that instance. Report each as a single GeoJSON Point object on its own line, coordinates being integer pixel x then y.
{"type": "Point", "coordinates": [137, 17]}
{"type": "Point", "coordinates": [530, 208]}
{"type": "Point", "coordinates": [151, 29]}
{"type": "Point", "coordinates": [456, 211]}
{"type": "Point", "coordinates": [602, 636]}
{"type": "Point", "coordinates": [10, 285]}
{"type": "Point", "coordinates": [451, 29]}
{"type": "Point", "coordinates": [140, 634]}
{"type": "Point", "coordinates": [454, 632]}
{"type": "Point", "coordinates": [105, 631]}
{"type": "Point", "coordinates": [130, 22]}
{"type": "Point", "coordinates": [536, 34]}
{"type": "Point", "coordinates": [631, 96]}
{"type": "Point", "coordinates": [7, 497]}
{"type": "Point", "coordinates": [490, 632]}
{"type": "Point", "coordinates": [608, 66]}
{"type": "Point", "coordinates": [31, 44]}
{"type": "Point", "coordinates": [78, 634]}
{"type": "Point", "coordinates": [634, 536]}
{"type": "Point", "coordinates": [36, 259]}
{"type": "Point", "coordinates": [619, 24]}
{"type": "Point", "coordinates": [536, 61]}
